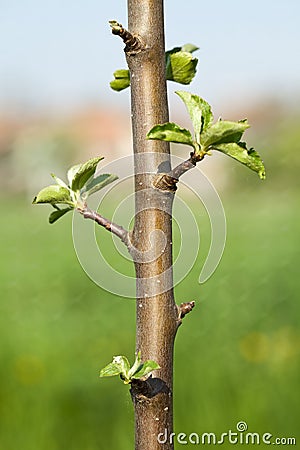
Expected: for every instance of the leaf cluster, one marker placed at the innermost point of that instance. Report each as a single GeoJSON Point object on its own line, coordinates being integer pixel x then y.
{"type": "Point", "coordinates": [180, 67]}
{"type": "Point", "coordinates": [81, 184]}
{"type": "Point", "coordinates": [223, 136]}
{"type": "Point", "coordinates": [120, 366]}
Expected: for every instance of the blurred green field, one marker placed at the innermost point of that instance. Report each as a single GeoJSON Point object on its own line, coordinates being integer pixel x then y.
{"type": "Point", "coordinates": [237, 354]}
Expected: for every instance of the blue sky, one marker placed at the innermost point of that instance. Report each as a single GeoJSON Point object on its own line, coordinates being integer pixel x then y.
{"type": "Point", "coordinates": [62, 54]}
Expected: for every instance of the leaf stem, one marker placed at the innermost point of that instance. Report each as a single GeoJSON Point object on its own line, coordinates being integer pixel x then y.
{"type": "Point", "coordinates": [114, 228]}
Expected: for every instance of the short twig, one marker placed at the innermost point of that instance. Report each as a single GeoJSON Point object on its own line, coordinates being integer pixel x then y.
{"type": "Point", "coordinates": [117, 230]}
{"type": "Point", "coordinates": [185, 308]}
{"type": "Point", "coordinates": [168, 181]}
{"type": "Point", "coordinates": [132, 43]}
{"type": "Point", "coordinates": [185, 166]}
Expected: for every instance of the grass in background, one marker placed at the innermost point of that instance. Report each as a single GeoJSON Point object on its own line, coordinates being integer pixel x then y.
{"type": "Point", "coordinates": [236, 357]}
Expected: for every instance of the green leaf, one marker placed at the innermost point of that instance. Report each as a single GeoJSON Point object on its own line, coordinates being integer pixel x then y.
{"type": "Point", "coordinates": [95, 184]}
{"type": "Point", "coordinates": [147, 367]}
{"type": "Point", "coordinates": [136, 366]}
{"type": "Point", "coordinates": [223, 132]}
{"type": "Point", "coordinates": [190, 48]}
{"type": "Point", "coordinates": [180, 64]}
{"type": "Point", "coordinates": [173, 50]}
{"type": "Point", "coordinates": [199, 111]}
{"type": "Point", "coordinates": [53, 194]}
{"type": "Point", "coordinates": [123, 363]}
{"type": "Point", "coordinates": [55, 215]}
{"type": "Point", "coordinates": [71, 173]}
{"type": "Point", "coordinates": [249, 158]}
{"type": "Point", "coordinates": [59, 181]}
{"type": "Point", "coordinates": [119, 366]}
{"type": "Point", "coordinates": [171, 132]}
{"type": "Point", "coordinates": [180, 67]}
{"type": "Point", "coordinates": [121, 81]}
{"type": "Point", "coordinates": [110, 370]}
{"type": "Point", "coordinates": [78, 176]}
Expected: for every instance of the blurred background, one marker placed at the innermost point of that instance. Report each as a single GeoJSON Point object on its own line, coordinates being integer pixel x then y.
{"type": "Point", "coordinates": [237, 355]}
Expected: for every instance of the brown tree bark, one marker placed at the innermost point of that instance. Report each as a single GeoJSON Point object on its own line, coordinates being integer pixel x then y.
{"type": "Point", "coordinates": [150, 242]}
{"type": "Point", "coordinates": [156, 313]}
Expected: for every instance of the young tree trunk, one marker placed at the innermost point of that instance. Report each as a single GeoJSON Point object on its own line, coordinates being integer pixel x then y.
{"type": "Point", "coordinates": [157, 316]}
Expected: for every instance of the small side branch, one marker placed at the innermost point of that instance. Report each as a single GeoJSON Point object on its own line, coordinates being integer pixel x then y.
{"type": "Point", "coordinates": [168, 181]}
{"type": "Point", "coordinates": [183, 167]}
{"type": "Point", "coordinates": [117, 230]}
{"type": "Point", "coordinates": [132, 43]}
{"type": "Point", "coordinates": [183, 310]}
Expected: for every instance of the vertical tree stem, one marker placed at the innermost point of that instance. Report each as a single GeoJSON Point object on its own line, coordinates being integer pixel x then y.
{"type": "Point", "coordinates": [157, 314]}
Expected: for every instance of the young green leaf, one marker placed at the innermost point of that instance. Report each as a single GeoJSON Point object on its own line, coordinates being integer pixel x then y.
{"type": "Point", "coordinates": [110, 370]}
{"type": "Point", "coordinates": [71, 173]}
{"type": "Point", "coordinates": [119, 366]}
{"type": "Point", "coordinates": [59, 181]}
{"type": "Point", "coordinates": [123, 363]}
{"type": "Point", "coordinates": [223, 132]}
{"type": "Point", "coordinates": [54, 194]}
{"type": "Point", "coordinates": [146, 368]}
{"type": "Point", "coordinates": [136, 366]}
{"type": "Point", "coordinates": [199, 111]}
{"type": "Point", "coordinates": [180, 67]}
{"type": "Point", "coordinates": [121, 81]}
{"type": "Point", "coordinates": [95, 184]}
{"type": "Point", "coordinates": [249, 158]}
{"type": "Point", "coordinates": [171, 132]}
{"type": "Point", "coordinates": [173, 50]}
{"type": "Point", "coordinates": [55, 215]}
{"type": "Point", "coordinates": [80, 175]}
{"type": "Point", "coordinates": [190, 48]}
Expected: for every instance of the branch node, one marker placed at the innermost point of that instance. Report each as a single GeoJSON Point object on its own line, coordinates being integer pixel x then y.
{"type": "Point", "coordinates": [168, 181]}
{"type": "Point", "coordinates": [165, 182]}
{"type": "Point", "coordinates": [185, 308]}
{"type": "Point", "coordinates": [132, 43]}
